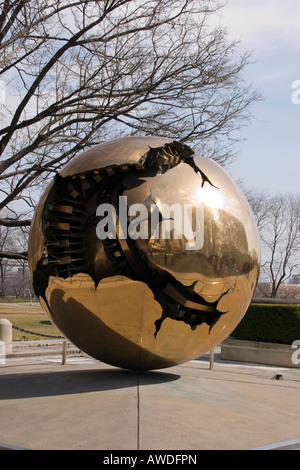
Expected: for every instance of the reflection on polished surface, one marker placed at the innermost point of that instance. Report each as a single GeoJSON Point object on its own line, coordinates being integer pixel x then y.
{"type": "Point", "coordinates": [154, 301]}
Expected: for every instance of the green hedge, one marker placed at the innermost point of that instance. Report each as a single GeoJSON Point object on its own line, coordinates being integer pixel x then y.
{"type": "Point", "coordinates": [270, 324]}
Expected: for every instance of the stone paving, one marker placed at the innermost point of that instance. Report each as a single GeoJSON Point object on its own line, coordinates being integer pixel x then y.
{"type": "Point", "coordinates": [88, 405]}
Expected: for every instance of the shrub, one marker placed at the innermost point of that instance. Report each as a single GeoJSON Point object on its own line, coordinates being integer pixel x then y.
{"type": "Point", "coordinates": [270, 324]}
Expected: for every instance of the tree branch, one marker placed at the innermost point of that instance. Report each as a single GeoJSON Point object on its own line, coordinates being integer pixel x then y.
{"type": "Point", "coordinates": [11, 255]}
{"type": "Point", "coordinates": [7, 222]}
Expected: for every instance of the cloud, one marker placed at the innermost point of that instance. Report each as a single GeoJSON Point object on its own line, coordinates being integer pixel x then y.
{"type": "Point", "coordinates": [266, 24]}
{"type": "Point", "coordinates": [271, 29]}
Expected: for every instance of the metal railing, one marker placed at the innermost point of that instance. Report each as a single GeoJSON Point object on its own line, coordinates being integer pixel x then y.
{"type": "Point", "coordinates": [61, 347]}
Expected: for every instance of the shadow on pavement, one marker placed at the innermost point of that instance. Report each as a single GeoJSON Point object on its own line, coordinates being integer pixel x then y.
{"type": "Point", "coordinates": [41, 384]}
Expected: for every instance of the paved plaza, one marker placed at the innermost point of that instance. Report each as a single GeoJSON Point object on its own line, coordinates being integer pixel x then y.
{"type": "Point", "coordinates": [88, 405]}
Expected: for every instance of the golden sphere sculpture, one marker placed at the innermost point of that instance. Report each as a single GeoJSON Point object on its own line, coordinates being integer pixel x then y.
{"type": "Point", "coordinates": [143, 254]}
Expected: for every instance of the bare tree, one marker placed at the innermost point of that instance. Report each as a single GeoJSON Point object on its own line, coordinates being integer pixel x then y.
{"type": "Point", "coordinates": [5, 240]}
{"type": "Point", "coordinates": [80, 72]}
{"type": "Point", "coordinates": [18, 282]}
{"type": "Point", "coordinates": [278, 219]}
{"type": "Point", "coordinates": [13, 260]}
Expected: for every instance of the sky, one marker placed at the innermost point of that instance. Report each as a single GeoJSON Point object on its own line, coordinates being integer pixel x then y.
{"type": "Point", "coordinates": [269, 154]}
{"type": "Point", "coordinates": [268, 159]}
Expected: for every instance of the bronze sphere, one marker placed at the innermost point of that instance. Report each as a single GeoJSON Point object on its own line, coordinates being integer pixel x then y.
{"type": "Point", "coordinates": [175, 284]}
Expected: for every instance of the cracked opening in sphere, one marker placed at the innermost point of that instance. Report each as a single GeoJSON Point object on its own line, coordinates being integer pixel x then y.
{"type": "Point", "coordinates": [71, 246]}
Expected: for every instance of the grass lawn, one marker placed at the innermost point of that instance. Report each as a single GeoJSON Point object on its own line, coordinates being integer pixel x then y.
{"type": "Point", "coordinates": [28, 317]}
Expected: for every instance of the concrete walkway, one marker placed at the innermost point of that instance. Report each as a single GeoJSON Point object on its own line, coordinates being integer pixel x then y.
{"type": "Point", "coordinates": [86, 404]}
